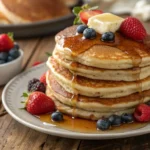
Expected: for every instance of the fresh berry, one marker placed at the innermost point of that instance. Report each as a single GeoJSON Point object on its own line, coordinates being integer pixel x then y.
{"type": "Point", "coordinates": [16, 46]}
{"type": "Point", "coordinates": [89, 33]}
{"type": "Point", "coordinates": [133, 28]}
{"type": "Point", "coordinates": [81, 28]}
{"type": "Point", "coordinates": [115, 120]}
{"type": "Point", "coordinates": [10, 59]}
{"type": "Point", "coordinates": [36, 63]}
{"type": "Point", "coordinates": [31, 82]}
{"type": "Point", "coordinates": [14, 53]}
{"type": "Point", "coordinates": [108, 36]}
{"type": "Point", "coordinates": [142, 113]}
{"type": "Point", "coordinates": [39, 103]}
{"type": "Point", "coordinates": [2, 61]}
{"type": "Point", "coordinates": [57, 116]}
{"type": "Point", "coordinates": [6, 43]}
{"type": "Point", "coordinates": [85, 15]}
{"type": "Point", "coordinates": [127, 118]}
{"type": "Point", "coordinates": [43, 79]}
{"type": "Point", "coordinates": [103, 124]}
{"type": "Point", "coordinates": [3, 56]}
{"type": "Point", "coordinates": [38, 86]}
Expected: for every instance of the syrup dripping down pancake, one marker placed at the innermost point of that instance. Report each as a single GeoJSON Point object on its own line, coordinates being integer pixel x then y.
{"type": "Point", "coordinates": [94, 103]}
{"type": "Point", "coordinates": [95, 88]}
{"type": "Point", "coordinates": [124, 53]}
{"type": "Point", "coordinates": [102, 74]}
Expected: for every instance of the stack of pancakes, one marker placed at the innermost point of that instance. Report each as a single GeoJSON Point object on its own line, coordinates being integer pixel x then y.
{"type": "Point", "coordinates": [89, 78]}
{"type": "Point", "coordinates": [28, 11]}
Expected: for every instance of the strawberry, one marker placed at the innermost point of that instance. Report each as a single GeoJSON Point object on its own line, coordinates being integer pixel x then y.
{"type": "Point", "coordinates": [43, 79]}
{"type": "Point", "coordinates": [142, 113]}
{"type": "Point", "coordinates": [38, 103]}
{"type": "Point", "coordinates": [36, 63]}
{"type": "Point", "coordinates": [85, 15]}
{"type": "Point", "coordinates": [133, 28]}
{"type": "Point", "coordinates": [6, 43]}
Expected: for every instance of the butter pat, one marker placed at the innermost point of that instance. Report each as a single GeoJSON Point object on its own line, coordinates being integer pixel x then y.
{"type": "Point", "coordinates": [105, 22]}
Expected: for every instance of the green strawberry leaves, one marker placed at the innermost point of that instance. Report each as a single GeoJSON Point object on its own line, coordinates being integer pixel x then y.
{"type": "Point", "coordinates": [11, 35]}
{"type": "Point", "coordinates": [25, 95]}
{"type": "Point", "coordinates": [76, 11]}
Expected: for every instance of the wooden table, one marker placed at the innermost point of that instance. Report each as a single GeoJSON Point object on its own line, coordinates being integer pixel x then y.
{"type": "Point", "coordinates": [15, 136]}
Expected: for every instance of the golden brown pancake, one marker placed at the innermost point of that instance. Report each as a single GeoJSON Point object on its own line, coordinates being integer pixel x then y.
{"type": "Point", "coordinates": [84, 107]}
{"type": "Point", "coordinates": [20, 11]}
{"type": "Point", "coordinates": [94, 88]}
{"type": "Point", "coordinates": [123, 53]}
{"type": "Point", "coordinates": [131, 74]}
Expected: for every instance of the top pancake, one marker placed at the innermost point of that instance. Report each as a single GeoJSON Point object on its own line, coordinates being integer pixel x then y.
{"type": "Point", "coordinates": [20, 11]}
{"type": "Point", "coordinates": [123, 53]}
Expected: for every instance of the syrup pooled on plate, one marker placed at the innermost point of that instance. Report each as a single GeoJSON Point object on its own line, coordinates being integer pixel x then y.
{"type": "Point", "coordinates": [87, 126]}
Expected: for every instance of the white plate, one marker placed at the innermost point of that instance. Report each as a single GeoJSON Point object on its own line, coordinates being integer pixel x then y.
{"type": "Point", "coordinates": [11, 98]}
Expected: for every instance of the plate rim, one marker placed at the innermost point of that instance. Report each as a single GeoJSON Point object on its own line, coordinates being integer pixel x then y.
{"type": "Point", "coordinates": [37, 23]}
{"type": "Point", "coordinates": [68, 134]}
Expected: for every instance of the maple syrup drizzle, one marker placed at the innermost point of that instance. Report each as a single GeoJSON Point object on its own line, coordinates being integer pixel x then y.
{"type": "Point", "coordinates": [87, 126]}
{"type": "Point", "coordinates": [74, 97]}
{"type": "Point", "coordinates": [77, 44]}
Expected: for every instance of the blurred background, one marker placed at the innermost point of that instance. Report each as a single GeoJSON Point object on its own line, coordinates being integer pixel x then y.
{"type": "Point", "coordinates": [33, 18]}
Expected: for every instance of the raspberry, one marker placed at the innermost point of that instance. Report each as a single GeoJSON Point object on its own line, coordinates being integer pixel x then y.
{"type": "Point", "coordinates": [133, 28]}
{"type": "Point", "coordinates": [31, 82]}
{"type": "Point", "coordinates": [38, 86]}
{"type": "Point", "coordinates": [142, 113]}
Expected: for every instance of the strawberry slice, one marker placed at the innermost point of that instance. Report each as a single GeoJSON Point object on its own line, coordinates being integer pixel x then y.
{"type": "Point", "coordinates": [85, 15]}
{"type": "Point", "coordinates": [6, 43]}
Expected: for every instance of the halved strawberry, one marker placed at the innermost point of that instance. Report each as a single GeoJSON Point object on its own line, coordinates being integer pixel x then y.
{"type": "Point", "coordinates": [85, 15]}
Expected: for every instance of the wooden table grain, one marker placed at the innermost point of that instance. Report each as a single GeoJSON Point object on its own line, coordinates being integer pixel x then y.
{"type": "Point", "coordinates": [15, 136]}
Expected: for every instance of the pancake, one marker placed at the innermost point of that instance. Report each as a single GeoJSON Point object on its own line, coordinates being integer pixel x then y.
{"type": "Point", "coordinates": [102, 105]}
{"type": "Point", "coordinates": [123, 53]}
{"type": "Point", "coordinates": [95, 88]}
{"type": "Point", "coordinates": [23, 11]}
{"type": "Point", "coordinates": [101, 74]}
{"type": "Point", "coordinates": [3, 19]}
{"type": "Point", "coordinates": [76, 112]}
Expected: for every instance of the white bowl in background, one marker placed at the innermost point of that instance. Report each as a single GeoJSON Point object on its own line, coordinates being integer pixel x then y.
{"type": "Point", "coordinates": [10, 69]}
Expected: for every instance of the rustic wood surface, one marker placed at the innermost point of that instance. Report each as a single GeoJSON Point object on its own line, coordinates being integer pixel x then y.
{"type": "Point", "coordinates": [15, 136]}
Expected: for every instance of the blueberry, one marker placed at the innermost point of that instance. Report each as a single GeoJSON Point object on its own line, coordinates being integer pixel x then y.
{"type": "Point", "coordinates": [16, 46]}
{"type": "Point", "coordinates": [108, 36]}
{"type": "Point", "coordinates": [103, 124]}
{"type": "Point", "coordinates": [57, 116]}
{"type": "Point", "coordinates": [127, 118]}
{"type": "Point", "coordinates": [115, 120]}
{"type": "Point", "coordinates": [81, 28]}
{"type": "Point", "coordinates": [2, 61]}
{"type": "Point", "coordinates": [14, 53]}
{"type": "Point", "coordinates": [10, 59]}
{"type": "Point", "coordinates": [89, 33]}
{"type": "Point", "coordinates": [3, 56]}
